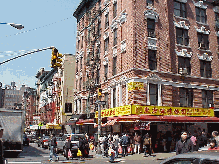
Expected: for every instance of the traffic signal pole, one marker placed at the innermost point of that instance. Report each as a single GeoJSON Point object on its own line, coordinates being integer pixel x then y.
{"type": "Point", "coordinates": [99, 129]}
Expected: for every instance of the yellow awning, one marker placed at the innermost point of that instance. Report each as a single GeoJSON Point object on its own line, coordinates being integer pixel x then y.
{"type": "Point", "coordinates": [53, 126]}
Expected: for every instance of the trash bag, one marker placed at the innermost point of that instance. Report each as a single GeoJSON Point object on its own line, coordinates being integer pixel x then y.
{"type": "Point", "coordinates": [69, 153]}
{"type": "Point", "coordinates": [79, 154]}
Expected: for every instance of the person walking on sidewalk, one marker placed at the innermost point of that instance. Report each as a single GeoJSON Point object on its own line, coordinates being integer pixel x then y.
{"type": "Point", "coordinates": [124, 142]}
{"type": "Point", "coordinates": [137, 140]}
{"type": "Point", "coordinates": [184, 145]}
{"type": "Point", "coordinates": [147, 145]}
{"type": "Point", "coordinates": [68, 147]}
{"type": "Point", "coordinates": [53, 146]}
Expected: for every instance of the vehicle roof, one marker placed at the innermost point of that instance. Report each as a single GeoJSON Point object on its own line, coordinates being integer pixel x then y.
{"type": "Point", "coordinates": [213, 155]}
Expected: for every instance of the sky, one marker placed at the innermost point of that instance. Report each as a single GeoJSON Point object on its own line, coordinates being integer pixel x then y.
{"type": "Point", "coordinates": [46, 23]}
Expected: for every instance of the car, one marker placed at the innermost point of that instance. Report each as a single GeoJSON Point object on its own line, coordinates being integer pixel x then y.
{"type": "Point", "coordinates": [60, 144]}
{"type": "Point", "coordinates": [75, 145]}
{"type": "Point", "coordinates": [26, 140]}
{"type": "Point", "coordinates": [43, 142]}
{"type": "Point", "coordinates": [196, 157]}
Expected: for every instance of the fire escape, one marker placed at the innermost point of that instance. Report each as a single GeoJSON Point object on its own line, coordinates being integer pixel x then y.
{"type": "Point", "coordinates": [92, 61]}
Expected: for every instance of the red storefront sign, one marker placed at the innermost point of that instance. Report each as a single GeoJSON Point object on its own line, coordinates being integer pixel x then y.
{"type": "Point", "coordinates": [142, 126]}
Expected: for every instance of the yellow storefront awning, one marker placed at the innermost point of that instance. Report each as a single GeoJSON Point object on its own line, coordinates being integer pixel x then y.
{"type": "Point", "coordinates": [53, 126]}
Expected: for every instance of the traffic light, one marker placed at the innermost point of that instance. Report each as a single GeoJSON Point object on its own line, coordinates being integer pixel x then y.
{"type": "Point", "coordinates": [56, 59]}
{"type": "Point", "coordinates": [99, 92]}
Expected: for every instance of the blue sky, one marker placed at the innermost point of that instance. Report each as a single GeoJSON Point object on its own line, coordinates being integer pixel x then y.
{"type": "Point", "coordinates": [34, 14]}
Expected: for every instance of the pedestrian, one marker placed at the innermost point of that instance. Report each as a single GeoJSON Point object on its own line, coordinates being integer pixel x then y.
{"type": "Point", "coordinates": [213, 145]}
{"type": "Point", "coordinates": [147, 144]}
{"type": "Point", "coordinates": [81, 147]}
{"type": "Point", "coordinates": [116, 145]}
{"type": "Point", "coordinates": [53, 147]}
{"type": "Point", "coordinates": [137, 140]}
{"type": "Point", "coordinates": [105, 146]}
{"type": "Point", "coordinates": [68, 147]}
{"type": "Point", "coordinates": [2, 160]}
{"type": "Point", "coordinates": [184, 145]}
{"type": "Point", "coordinates": [216, 137]}
{"type": "Point", "coordinates": [124, 142]}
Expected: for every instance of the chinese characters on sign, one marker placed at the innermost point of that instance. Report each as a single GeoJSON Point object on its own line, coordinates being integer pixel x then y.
{"type": "Point", "coordinates": [164, 110]}
{"type": "Point", "coordinates": [135, 86]}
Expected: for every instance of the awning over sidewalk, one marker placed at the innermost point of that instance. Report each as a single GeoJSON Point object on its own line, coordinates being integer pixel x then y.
{"type": "Point", "coordinates": [74, 118]}
{"type": "Point", "coordinates": [87, 121]}
{"type": "Point", "coordinates": [108, 123]}
{"type": "Point", "coordinates": [53, 126]}
{"type": "Point", "coordinates": [178, 119]}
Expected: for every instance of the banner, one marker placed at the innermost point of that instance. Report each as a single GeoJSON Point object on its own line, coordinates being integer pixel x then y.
{"type": "Point", "coordinates": [135, 86]}
{"type": "Point", "coordinates": [155, 110]}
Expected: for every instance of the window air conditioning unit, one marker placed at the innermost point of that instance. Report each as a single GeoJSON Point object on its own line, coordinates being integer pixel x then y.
{"type": "Point", "coordinates": [182, 23]}
{"type": "Point", "coordinates": [183, 71]}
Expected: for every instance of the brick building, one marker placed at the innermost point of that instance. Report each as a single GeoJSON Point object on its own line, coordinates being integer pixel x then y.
{"type": "Point", "coordinates": [148, 57]}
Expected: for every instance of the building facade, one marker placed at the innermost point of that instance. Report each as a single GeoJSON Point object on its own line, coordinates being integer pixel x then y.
{"type": "Point", "coordinates": [148, 56]}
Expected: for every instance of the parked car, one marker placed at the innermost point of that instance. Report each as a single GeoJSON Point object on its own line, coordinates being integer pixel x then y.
{"type": "Point", "coordinates": [60, 144]}
{"type": "Point", "coordinates": [43, 142]}
{"type": "Point", "coordinates": [197, 157]}
{"type": "Point", "coordinates": [25, 140]}
{"type": "Point", "coordinates": [75, 145]}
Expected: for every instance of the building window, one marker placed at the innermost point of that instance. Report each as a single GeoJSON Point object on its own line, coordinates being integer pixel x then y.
{"type": "Point", "coordinates": [151, 27]}
{"type": "Point", "coordinates": [184, 63]}
{"type": "Point", "coordinates": [115, 37]}
{"type": "Point", "coordinates": [153, 92]}
{"type": "Point", "coordinates": [106, 71]}
{"type": "Point", "coordinates": [106, 44]}
{"type": "Point", "coordinates": [182, 37]}
{"type": "Point", "coordinates": [114, 9]}
{"type": "Point", "coordinates": [203, 41]}
{"type": "Point", "coordinates": [201, 15]}
{"type": "Point", "coordinates": [80, 84]}
{"type": "Point", "coordinates": [114, 66]}
{"type": "Point", "coordinates": [205, 69]}
{"type": "Point", "coordinates": [152, 60]}
{"type": "Point", "coordinates": [98, 77]}
{"type": "Point", "coordinates": [82, 39]}
{"type": "Point", "coordinates": [186, 97]}
{"type": "Point", "coordinates": [106, 97]}
{"type": "Point", "coordinates": [114, 97]}
{"type": "Point", "coordinates": [68, 107]}
{"type": "Point", "coordinates": [180, 9]}
{"type": "Point", "coordinates": [81, 63]}
{"type": "Point", "coordinates": [106, 21]}
{"type": "Point", "coordinates": [150, 2]}
{"type": "Point", "coordinates": [98, 28]}
{"type": "Point", "coordinates": [218, 45]}
{"type": "Point", "coordinates": [207, 99]}
{"type": "Point", "coordinates": [78, 44]}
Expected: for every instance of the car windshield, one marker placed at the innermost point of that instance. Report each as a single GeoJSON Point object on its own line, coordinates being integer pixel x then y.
{"type": "Point", "coordinates": [46, 137]}
{"type": "Point", "coordinates": [59, 138]}
{"type": "Point", "coordinates": [76, 137]}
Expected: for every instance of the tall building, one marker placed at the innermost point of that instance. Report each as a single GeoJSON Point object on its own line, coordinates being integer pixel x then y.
{"type": "Point", "coordinates": [150, 58]}
{"type": "Point", "coordinates": [1, 96]}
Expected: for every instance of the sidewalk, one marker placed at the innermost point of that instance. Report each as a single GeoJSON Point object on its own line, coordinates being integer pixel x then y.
{"type": "Point", "coordinates": [155, 157]}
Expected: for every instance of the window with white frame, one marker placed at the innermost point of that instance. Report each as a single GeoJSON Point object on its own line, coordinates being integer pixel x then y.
{"type": "Point", "coordinates": [182, 37]}
{"type": "Point", "coordinates": [207, 99]}
{"type": "Point", "coordinates": [114, 65]}
{"type": "Point", "coordinates": [150, 2]}
{"type": "Point", "coordinates": [186, 97]}
{"type": "Point", "coordinates": [184, 63]}
{"type": "Point", "coordinates": [153, 93]}
{"type": "Point", "coordinates": [106, 71]}
{"type": "Point", "coordinates": [106, 44]}
{"type": "Point", "coordinates": [201, 15]}
{"type": "Point", "coordinates": [152, 60]}
{"type": "Point", "coordinates": [203, 41]}
{"type": "Point", "coordinates": [114, 97]}
{"type": "Point", "coordinates": [114, 9]}
{"type": "Point", "coordinates": [115, 37]}
{"type": "Point", "coordinates": [180, 9]}
{"type": "Point", "coordinates": [205, 69]}
{"type": "Point", "coordinates": [106, 20]}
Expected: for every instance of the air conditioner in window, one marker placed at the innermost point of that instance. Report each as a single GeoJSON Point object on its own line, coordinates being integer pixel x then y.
{"type": "Point", "coordinates": [152, 34]}
{"type": "Point", "coordinates": [183, 71]}
{"type": "Point", "coordinates": [182, 23]}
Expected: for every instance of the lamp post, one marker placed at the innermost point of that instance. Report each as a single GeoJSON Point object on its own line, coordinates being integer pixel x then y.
{"type": "Point", "coordinates": [17, 26]}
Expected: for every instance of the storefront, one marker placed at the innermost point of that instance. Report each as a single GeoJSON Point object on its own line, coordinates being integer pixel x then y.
{"type": "Point", "coordinates": [160, 122]}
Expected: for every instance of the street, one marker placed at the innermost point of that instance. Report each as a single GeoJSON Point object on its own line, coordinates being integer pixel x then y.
{"type": "Point", "coordinates": [33, 154]}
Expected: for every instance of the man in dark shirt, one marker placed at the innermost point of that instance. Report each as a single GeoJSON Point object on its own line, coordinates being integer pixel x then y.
{"type": "Point", "coordinates": [184, 145]}
{"type": "Point", "coordinates": [53, 145]}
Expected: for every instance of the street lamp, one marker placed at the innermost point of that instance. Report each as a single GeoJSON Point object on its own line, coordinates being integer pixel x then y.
{"type": "Point", "coordinates": [17, 26]}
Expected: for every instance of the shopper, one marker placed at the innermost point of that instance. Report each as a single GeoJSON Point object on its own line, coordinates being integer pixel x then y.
{"type": "Point", "coordinates": [124, 142]}
{"type": "Point", "coordinates": [53, 146]}
{"type": "Point", "coordinates": [216, 137]}
{"type": "Point", "coordinates": [213, 145]}
{"type": "Point", "coordinates": [68, 147]}
{"type": "Point", "coordinates": [116, 145]}
{"type": "Point", "coordinates": [147, 144]}
{"type": "Point", "coordinates": [137, 140]}
{"type": "Point", "coordinates": [184, 145]}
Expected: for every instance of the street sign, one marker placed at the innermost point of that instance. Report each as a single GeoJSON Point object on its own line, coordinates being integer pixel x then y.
{"type": "Point", "coordinates": [40, 124]}
{"type": "Point", "coordinates": [101, 102]}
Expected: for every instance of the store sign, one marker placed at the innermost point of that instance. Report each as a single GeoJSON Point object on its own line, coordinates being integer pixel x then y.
{"type": "Point", "coordinates": [155, 110]}
{"type": "Point", "coordinates": [118, 111]}
{"type": "Point", "coordinates": [135, 86]}
{"type": "Point", "coordinates": [164, 110]}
